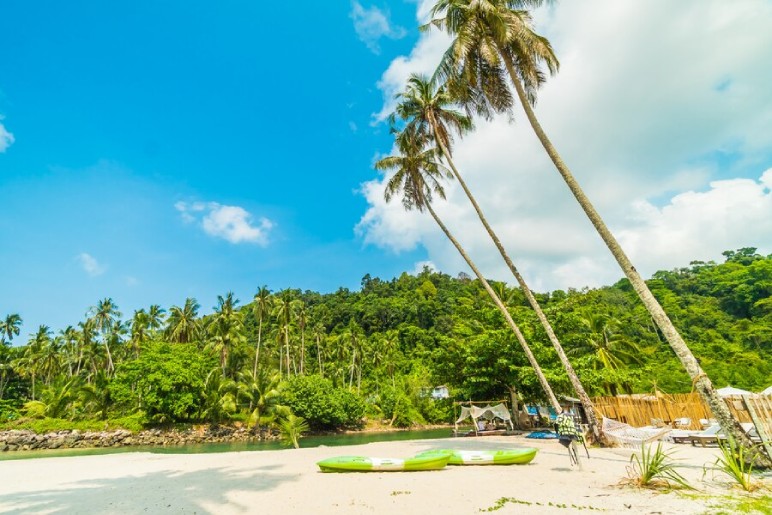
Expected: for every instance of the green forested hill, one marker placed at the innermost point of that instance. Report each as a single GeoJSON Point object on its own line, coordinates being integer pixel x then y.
{"type": "Point", "coordinates": [332, 358]}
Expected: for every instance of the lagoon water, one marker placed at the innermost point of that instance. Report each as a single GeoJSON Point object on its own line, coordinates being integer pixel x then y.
{"type": "Point", "coordinates": [309, 441]}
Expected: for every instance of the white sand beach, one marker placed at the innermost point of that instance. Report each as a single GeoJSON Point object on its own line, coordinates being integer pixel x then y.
{"type": "Point", "coordinates": [289, 482]}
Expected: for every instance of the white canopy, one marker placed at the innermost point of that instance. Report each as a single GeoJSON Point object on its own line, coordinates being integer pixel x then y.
{"type": "Point", "coordinates": [731, 391]}
{"type": "Point", "coordinates": [487, 412]}
{"type": "Point", "coordinates": [768, 391]}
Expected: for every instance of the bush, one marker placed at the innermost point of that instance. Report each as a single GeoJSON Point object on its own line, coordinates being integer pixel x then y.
{"type": "Point", "coordinates": [398, 408]}
{"type": "Point", "coordinates": [323, 406]}
{"type": "Point", "coordinates": [166, 382]}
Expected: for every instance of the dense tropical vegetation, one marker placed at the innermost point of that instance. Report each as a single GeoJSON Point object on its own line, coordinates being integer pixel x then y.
{"type": "Point", "coordinates": [337, 359]}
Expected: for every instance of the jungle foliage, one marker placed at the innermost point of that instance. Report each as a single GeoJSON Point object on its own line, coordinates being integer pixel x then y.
{"type": "Point", "coordinates": [337, 359]}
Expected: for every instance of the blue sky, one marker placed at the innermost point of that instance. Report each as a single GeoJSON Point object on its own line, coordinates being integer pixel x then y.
{"type": "Point", "coordinates": [121, 111]}
{"type": "Point", "coordinates": [153, 151]}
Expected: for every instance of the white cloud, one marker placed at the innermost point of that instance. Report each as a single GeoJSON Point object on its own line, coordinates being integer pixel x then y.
{"type": "Point", "coordinates": [667, 135]}
{"type": "Point", "coordinates": [420, 265]}
{"type": "Point", "coordinates": [231, 223]}
{"type": "Point", "coordinates": [6, 138]}
{"type": "Point", "coordinates": [90, 265]}
{"type": "Point", "coordinates": [372, 24]}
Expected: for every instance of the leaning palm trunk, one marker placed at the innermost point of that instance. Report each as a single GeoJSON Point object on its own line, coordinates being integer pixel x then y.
{"type": "Point", "coordinates": [589, 409]}
{"type": "Point", "coordinates": [499, 304]}
{"type": "Point", "coordinates": [700, 380]}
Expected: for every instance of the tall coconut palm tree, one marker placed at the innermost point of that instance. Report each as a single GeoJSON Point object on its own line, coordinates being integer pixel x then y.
{"type": "Point", "coordinates": [31, 359]}
{"type": "Point", "coordinates": [261, 306]}
{"type": "Point", "coordinates": [73, 350]}
{"type": "Point", "coordinates": [10, 327]}
{"type": "Point", "coordinates": [429, 108]}
{"type": "Point", "coordinates": [182, 326]}
{"type": "Point", "coordinates": [225, 328]}
{"type": "Point", "coordinates": [417, 176]}
{"type": "Point", "coordinates": [104, 314]}
{"type": "Point", "coordinates": [140, 329]}
{"type": "Point", "coordinates": [285, 310]}
{"type": "Point", "coordinates": [319, 335]}
{"type": "Point", "coordinates": [499, 33]}
{"type": "Point", "coordinates": [155, 317]}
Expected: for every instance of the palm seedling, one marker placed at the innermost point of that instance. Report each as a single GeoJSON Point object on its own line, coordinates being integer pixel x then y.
{"type": "Point", "coordinates": [654, 469]}
{"type": "Point", "coordinates": [734, 462]}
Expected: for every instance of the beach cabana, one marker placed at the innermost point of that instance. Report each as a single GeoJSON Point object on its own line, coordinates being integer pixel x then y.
{"type": "Point", "coordinates": [487, 412]}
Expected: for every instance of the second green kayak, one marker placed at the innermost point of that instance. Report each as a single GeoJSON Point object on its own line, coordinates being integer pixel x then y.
{"type": "Point", "coordinates": [369, 464]}
{"type": "Point", "coordinates": [482, 457]}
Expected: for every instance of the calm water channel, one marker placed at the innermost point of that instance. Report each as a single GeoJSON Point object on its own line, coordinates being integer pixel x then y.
{"type": "Point", "coordinates": [309, 441]}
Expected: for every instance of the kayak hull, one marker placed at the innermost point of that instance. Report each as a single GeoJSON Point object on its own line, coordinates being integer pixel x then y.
{"type": "Point", "coordinates": [483, 457]}
{"type": "Point", "coordinates": [370, 464]}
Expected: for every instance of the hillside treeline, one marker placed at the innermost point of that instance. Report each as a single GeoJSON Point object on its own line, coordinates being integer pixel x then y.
{"type": "Point", "coordinates": [337, 359]}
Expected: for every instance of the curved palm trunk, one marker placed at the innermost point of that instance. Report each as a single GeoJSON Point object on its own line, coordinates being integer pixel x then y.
{"type": "Point", "coordinates": [589, 409]}
{"type": "Point", "coordinates": [700, 380]}
{"type": "Point", "coordinates": [531, 358]}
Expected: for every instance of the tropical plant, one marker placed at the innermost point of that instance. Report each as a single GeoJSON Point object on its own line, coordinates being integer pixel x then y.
{"type": "Point", "coordinates": [104, 314]}
{"type": "Point", "coordinates": [654, 469]}
{"type": "Point", "coordinates": [497, 35]}
{"type": "Point", "coordinates": [263, 393]}
{"type": "Point", "coordinates": [292, 427]}
{"type": "Point", "coordinates": [225, 328]}
{"type": "Point", "coordinates": [182, 326]}
{"type": "Point", "coordinates": [735, 463]}
{"type": "Point", "coordinates": [10, 327]}
{"type": "Point", "coordinates": [261, 306]}
{"type": "Point", "coordinates": [417, 175]}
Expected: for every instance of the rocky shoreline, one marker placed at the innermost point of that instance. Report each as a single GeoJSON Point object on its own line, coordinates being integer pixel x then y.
{"type": "Point", "coordinates": [25, 440]}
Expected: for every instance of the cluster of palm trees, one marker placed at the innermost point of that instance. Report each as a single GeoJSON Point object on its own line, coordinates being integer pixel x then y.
{"type": "Point", "coordinates": [495, 49]}
{"type": "Point", "coordinates": [257, 346]}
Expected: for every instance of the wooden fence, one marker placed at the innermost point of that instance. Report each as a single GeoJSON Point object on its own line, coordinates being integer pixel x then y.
{"type": "Point", "coordinates": [662, 408]}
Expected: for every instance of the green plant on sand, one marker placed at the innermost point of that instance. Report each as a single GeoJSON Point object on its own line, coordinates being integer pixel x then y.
{"type": "Point", "coordinates": [291, 429]}
{"type": "Point", "coordinates": [736, 461]}
{"type": "Point", "coordinates": [654, 469]}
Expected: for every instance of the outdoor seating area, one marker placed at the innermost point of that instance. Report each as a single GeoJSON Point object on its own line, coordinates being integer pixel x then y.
{"type": "Point", "coordinates": [682, 418]}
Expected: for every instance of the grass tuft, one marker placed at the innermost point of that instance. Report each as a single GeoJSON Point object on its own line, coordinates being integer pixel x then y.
{"type": "Point", "coordinates": [654, 469]}
{"type": "Point", "coordinates": [736, 461]}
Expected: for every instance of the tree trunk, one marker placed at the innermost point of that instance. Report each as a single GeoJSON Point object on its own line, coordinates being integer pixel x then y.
{"type": "Point", "coordinates": [700, 380]}
{"type": "Point", "coordinates": [257, 348]}
{"type": "Point", "coordinates": [589, 409]}
{"type": "Point", "coordinates": [531, 358]}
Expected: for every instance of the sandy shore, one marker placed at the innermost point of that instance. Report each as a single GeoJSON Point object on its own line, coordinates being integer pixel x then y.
{"type": "Point", "coordinates": [287, 482]}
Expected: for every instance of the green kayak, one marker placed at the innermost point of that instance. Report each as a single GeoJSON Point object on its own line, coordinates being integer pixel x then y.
{"type": "Point", "coordinates": [367, 464]}
{"type": "Point", "coordinates": [501, 457]}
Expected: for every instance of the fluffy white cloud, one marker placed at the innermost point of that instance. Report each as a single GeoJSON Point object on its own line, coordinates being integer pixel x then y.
{"type": "Point", "coordinates": [665, 118]}
{"type": "Point", "coordinates": [6, 138]}
{"type": "Point", "coordinates": [231, 223]}
{"type": "Point", "coordinates": [372, 24]}
{"type": "Point", "coordinates": [90, 265]}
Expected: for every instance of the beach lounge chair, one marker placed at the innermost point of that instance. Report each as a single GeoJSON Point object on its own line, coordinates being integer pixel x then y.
{"type": "Point", "coordinates": [709, 436]}
{"type": "Point", "coordinates": [683, 423]}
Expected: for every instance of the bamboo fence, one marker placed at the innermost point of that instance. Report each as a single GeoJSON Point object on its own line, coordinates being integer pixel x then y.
{"type": "Point", "coordinates": [666, 409]}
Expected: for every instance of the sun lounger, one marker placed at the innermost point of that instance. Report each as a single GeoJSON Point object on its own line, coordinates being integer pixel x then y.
{"type": "Point", "coordinates": [710, 436]}
{"type": "Point", "coordinates": [681, 436]}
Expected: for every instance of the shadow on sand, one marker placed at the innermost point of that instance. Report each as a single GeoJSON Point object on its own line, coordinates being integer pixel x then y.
{"type": "Point", "coordinates": [200, 491]}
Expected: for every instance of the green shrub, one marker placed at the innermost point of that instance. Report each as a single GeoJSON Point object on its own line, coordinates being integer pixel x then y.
{"type": "Point", "coordinates": [166, 382]}
{"type": "Point", "coordinates": [398, 408]}
{"type": "Point", "coordinates": [323, 406]}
